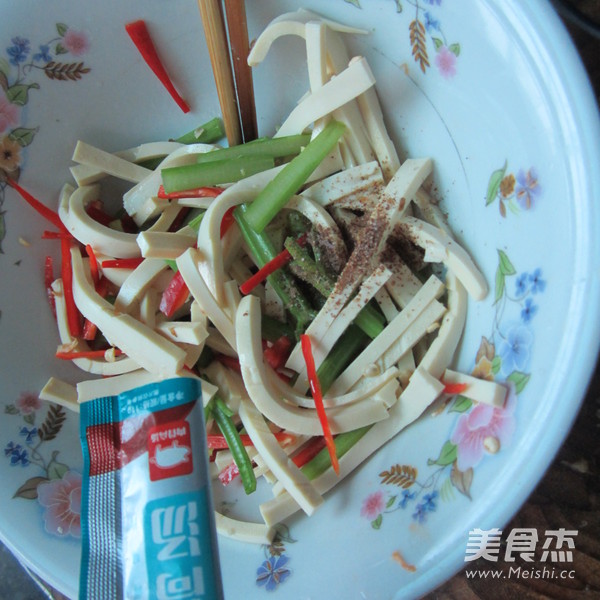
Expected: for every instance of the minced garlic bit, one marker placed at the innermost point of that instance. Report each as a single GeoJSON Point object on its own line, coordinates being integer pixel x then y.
{"type": "Point", "coordinates": [491, 444]}
{"type": "Point", "coordinates": [67, 347]}
{"type": "Point", "coordinates": [24, 242]}
{"type": "Point", "coordinates": [109, 355]}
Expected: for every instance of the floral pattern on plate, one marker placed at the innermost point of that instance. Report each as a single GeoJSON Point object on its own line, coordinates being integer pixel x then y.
{"type": "Point", "coordinates": [18, 69]}
{"type": "Point", "coordinates": [513, 192]}
{"type": "Point", "coordinates": [426, 34]}
{"type": "Point", "coordinates": [274, 570]}
{"type": "Point", "coordinates": [55, 486]}
{"type": "Point", "coordinates": [480, 430]}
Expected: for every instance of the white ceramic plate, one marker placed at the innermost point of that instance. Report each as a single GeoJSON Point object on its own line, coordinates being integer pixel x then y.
{"type": "Point", "coordinates": [497, 96]}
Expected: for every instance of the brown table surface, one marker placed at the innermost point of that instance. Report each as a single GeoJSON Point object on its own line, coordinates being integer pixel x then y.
{"type": "Point", "coordinates": [568, 496]}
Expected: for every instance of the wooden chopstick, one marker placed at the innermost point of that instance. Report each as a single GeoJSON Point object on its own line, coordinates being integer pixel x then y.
{"type": "Point", "coordinates": [237, 28]}
{"type": "Point", "coordinates": [216, 39]}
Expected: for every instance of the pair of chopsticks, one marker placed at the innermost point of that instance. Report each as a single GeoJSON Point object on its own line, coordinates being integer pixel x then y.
{"type": "Point", "coordinates": [228, 48]}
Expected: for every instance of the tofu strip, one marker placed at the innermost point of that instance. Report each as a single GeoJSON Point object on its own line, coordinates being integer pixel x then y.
{"type": "Point", "coordinates": [348, 188]}
{"type": "Point", "coordinates": [392, 332]}
{"type": "Point", "coordinates": [87, 174]}
{"type": "Point", "coordinates": [138, 282]}
{"type": "Point", "coordinates": [411, 404]}
{"type": "Point", "coordinates": [147, 348]}
{"type": "Point", "coordinates": [366, 253]}
{"type": "Point", "coordinates": [446, 250]}
{"type": "Point", "coordinates": [134, 199]}
{"type": "Point", "coordinates": [479, 390]}
{"type": "Point", "coordinates": [290, 24]}
{"type": "Point", "coordinates": [367, 290]}
{"type": "Point", "coordinates": [72, 211]}
{"type": "Point", "coordinates": [244, 531]}
{"type": "Point", "coordinates": [109, 163]}
{"type": "Point", "coordinates": [269, 401]}
{"type": "Point", "coordinates": [161, 244]}
{"type": "Point", "coordinates": [339, 90]}
{"type": "Point", "coordinates": [189, 267]}
{"type": "Point", "coordinates": [90, 365]}
{"type": "Point", "coordinates": [290, 476]}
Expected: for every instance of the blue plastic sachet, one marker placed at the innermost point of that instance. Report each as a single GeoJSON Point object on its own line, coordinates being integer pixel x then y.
{"type": "Point", "coordinates": [147, 517]}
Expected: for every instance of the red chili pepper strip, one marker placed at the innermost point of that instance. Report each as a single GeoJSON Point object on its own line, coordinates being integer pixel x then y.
{"type": "Point", "coordinates": [42, 209]}
{"type": "Point", "coordinates": [229, 473]}
{"type": "Point", "coordinates": [73, 316]}
{"type": "Point", "coordinates": [282, 259]}
{"type": "Point", "coordinates": [128, 224]}
{"type": "Point", "coordinates": [55, 235]}
{"type": "Point", "coordinates": [90, 330]}
{"type": "Point", "coordinates": [140, 36]}
{"type": "Point", "coordinates": [454, 388]}
{"type": "Point", "coordinates": [202, 192]}
{"type": "Point", "coordinates": [315, 388]}
{"type": "Point", "coordinates": [98, 215]}
{"type": "Point", "coordinates": [218, 442]}
{"type": "Point", "coordinates": [309, 451]}
{"type": "Point", "coordinates": [277, 354]}
{"type": "Point", "coordinates": [93, 264]}
{"type": "Point", "coordinates": [178, 220]}
{"type": "Point", "coordinates": [230, 362]}
{"type": "Point", "coordinates": [48, 280]}
{"type": "Point", "coordinates": [85, 354]}
{"type": "Point", "coordinates": [227, 220]}
{"type": "Point", "coordinates": [174, 296]}
{"type": "Point", "coordinates": [122, 263]}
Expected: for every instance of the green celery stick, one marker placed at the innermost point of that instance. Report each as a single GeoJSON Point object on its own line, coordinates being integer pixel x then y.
{"type": "Point", "coordinates": [351, 342]}
{"type": "Point", "coordinates": [307, 269]}
{"type": "Point", "coordinates": [222, 415]}
{"type": "Point", "coordinates": [263, 251]}
{"type": "Point", "coordinates": [273, 329]}
{"type": "Point", "coordinates": [208, 133]}
{"type": "Point", "coordinates": [322, 461]}
{"type": "Point", "coordinates": [176, 179]}
{"type": "Point", "coordinates": [292, 177]}
{"type": "Point", "coordinates": [273, 147]}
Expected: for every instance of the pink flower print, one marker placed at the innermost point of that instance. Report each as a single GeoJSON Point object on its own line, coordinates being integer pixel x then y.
{"type": "Point", "coordinates": [76, 42]}
{"type": "Point", "coordinates": [483, 428]}
{"type": "Point", "coordinates": [373, 505]}
{"type": "Point", "coordinates": [9, 114]}
{"type": "Point", "coordinates": [62, 500]}
{"type": "Point", "coordinates": [28, 403]}
{"type": "Point", "coordinates": [445, 61]}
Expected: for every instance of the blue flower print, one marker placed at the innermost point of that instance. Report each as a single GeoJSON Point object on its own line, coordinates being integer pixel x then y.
{"type": "Point", "coordinates": [528, 310]}
{"type": "Point", "coordinates": [515, 349]}
{"type": "Point", "coordinates": [537, 283]}
{"type": "Point", "coordinates": [431, 23]}
{"type": "Point", "coordinates": [44, 54]}
{"type": "Point", "coordinates": [420, 514]}
{"type": "Point", "coordinates": [18, 51]}
{"type": "Point", "coordinates": [429, 501]}
{"type": "Point", "coordinates": [521, 284]}
{"type": "Point", "coordinates": [273, 572]}
{"type": "Point", "coordinates": [28, 434]}
{"type": "Point", "coordinates": [527, 188]}
{"type": "Point", "coordinates": [18, 454]}
{"type": "Point", "coordinates": [10, 448]}
{"type": "Point", "coordinates": [406, 497]}
{"type": "Point", "coordinates": [434, 2]}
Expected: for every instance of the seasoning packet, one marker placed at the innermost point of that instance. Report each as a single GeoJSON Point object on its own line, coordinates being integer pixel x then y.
{"type": "Point", "coordinates": [147, 517]}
